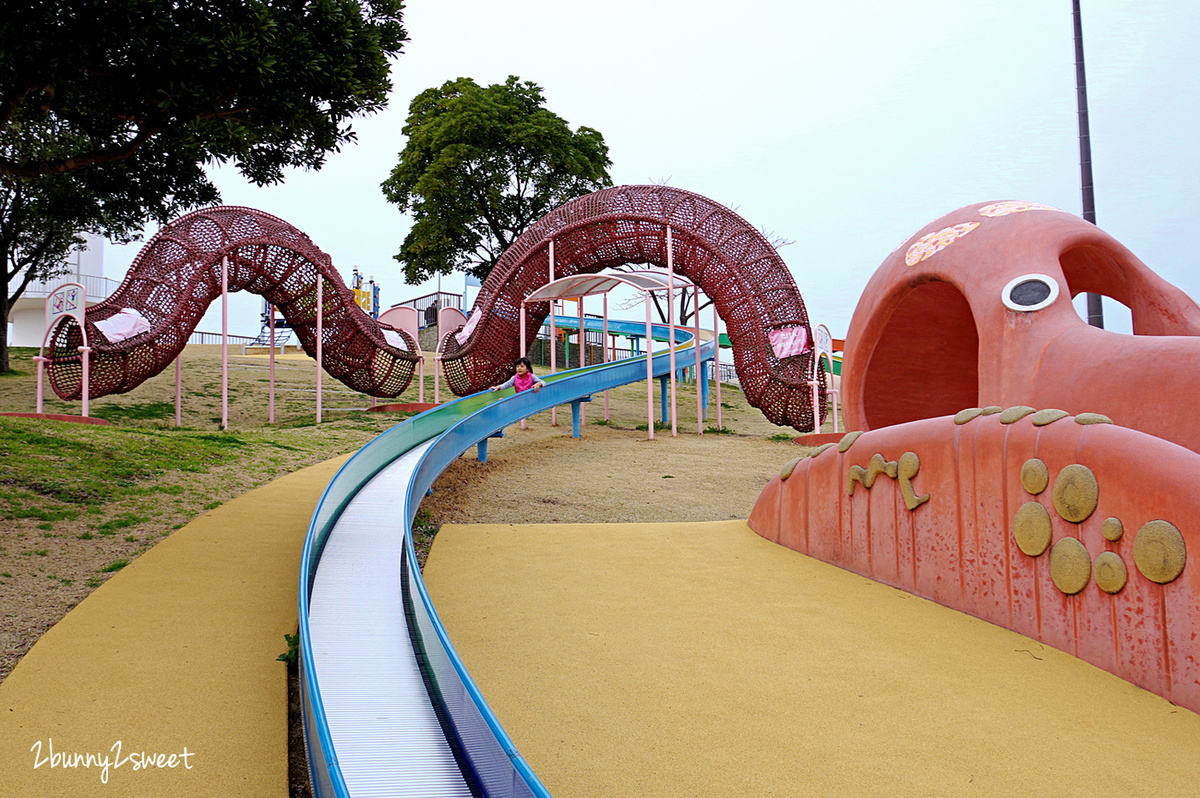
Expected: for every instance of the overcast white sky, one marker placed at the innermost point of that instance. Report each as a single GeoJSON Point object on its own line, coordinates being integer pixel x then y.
{"type": "Point", "coordinates": [844, 127]}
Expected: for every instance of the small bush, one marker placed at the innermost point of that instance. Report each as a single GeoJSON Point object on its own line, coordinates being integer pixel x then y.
{"type": "Point", "coordinates": [292, 655]}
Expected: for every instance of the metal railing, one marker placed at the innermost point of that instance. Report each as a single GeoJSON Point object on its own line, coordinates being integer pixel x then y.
{"type": "Point", "coordinates": [97, 287]}
{"type": "Point", "coordinates": [568, 353]}
{"type": "Point", "coordinates": [568, 357]}
{"type": "Point", "coordinates": [208, 338]}
{"type": "Point", "coordinates": [438, 299]}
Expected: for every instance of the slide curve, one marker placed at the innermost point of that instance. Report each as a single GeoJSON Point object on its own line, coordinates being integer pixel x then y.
{"type": "Point", "coordinates": [388, 705]}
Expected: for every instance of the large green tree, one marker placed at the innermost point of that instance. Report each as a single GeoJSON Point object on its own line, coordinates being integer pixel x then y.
{"type": "Point", "coordinates": [111, 109]}
{"type": "Point", "coordinates": [264, 83]}
{"type": "Point", "coordinates": [480, 166]}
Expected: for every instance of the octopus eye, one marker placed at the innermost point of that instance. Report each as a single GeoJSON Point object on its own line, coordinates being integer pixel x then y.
{"type": "Point", "coordinates": [1029, 292]}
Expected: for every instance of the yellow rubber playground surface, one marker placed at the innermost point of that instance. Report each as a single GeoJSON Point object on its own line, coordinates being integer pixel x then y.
{"type": "Point", "coordinates": [703, 660]}
{"type": "Point", "coordinates": [624, 660]}
{"type": "Point", "coordinates": [176, 651]}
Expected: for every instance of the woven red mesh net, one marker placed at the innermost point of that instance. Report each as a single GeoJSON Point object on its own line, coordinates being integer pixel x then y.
{"type": "Point", "coordinates": [178, 274]}
{"type": "Point", "coordinates": [714, 247]}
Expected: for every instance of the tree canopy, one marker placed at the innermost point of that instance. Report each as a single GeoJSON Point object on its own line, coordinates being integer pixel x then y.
{"type": "Point", "coordinates": [480, 166]}
{"type": "Point", "coordinates": [264, 83]}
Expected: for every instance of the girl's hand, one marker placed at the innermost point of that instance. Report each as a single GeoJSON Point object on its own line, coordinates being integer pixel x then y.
{"type": "Point", "coordinates": [537, 386]}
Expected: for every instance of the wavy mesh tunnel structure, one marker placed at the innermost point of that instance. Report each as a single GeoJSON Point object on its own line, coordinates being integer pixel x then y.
{"type": "Point", "coordinates": [729, 259]}
{"type": "Point", "coordinates": [177, 275]}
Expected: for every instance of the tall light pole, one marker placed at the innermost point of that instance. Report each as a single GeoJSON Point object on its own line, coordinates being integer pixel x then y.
{"type": "Point", "coordinates": [1095, 310]}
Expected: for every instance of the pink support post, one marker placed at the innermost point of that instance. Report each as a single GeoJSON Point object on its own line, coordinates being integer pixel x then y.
{"type": "Point", "coordinates": [553, 338]}
{"type": "Point", "coordinates": [41, 390]}
{"type": "Point", "coordinates": [717, 362]}
{"type": "Point", "coordinates": [523, 426]}
{"type": "Point", "coordinates": [411, 324]}
{"type": "Point", "coordinates": [225, 342]}
{"type": "Point", "coordinates": [604, 346]}
{"type": "Point", "coordinates": [649, 373]}
{"type": "Point", "coordinates": [671, 323]}
{"type": "Point", "coordinates": [271, 391]}
{"type": "Point", "coordinates": [320, 336]}
{"type": "Point", "coordinates": [179, 278]}
{"type": "Point", "coordinates": [699, 365]}
{"type": "Point", "coordinates": [86, 351]}
{"type": "Point", "coordinates": [582, 358]}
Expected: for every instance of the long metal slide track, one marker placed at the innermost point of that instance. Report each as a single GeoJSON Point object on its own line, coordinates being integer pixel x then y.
{"type": "Point", "coordinates": [389, 709]}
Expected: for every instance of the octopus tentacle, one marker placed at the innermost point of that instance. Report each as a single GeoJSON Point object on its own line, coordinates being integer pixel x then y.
{"type": "Point", "coordinates": [727, 257]}
{"type": "Point", "coordinates": [177, 275]}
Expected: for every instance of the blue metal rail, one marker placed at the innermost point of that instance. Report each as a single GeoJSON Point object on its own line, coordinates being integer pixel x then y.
{"type": "Point", "coordinates": [404, 462]}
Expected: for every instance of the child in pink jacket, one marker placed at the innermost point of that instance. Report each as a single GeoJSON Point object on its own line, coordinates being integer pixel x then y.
{"type": "Point", "coordinates": [523, 380]}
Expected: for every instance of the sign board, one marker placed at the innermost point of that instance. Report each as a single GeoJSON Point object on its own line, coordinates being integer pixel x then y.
{"type": "Point", "coordinates": [824, 340]}
{"type": "Point", "coordinates": [68, 300]}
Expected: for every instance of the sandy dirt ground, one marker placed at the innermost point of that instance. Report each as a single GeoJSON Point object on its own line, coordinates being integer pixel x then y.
{"type": "Point", "coordinates": [608, 475]}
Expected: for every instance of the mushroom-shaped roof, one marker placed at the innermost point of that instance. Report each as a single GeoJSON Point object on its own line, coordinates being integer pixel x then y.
{"type": "Point", "coordinates": [579, 285]}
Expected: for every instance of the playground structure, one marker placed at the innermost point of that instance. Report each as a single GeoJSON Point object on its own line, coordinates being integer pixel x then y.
{"type": "Point", "coordinates": [201, 256]}
{"type": "Point", "coordinates": [1009, 460]}
{"type": "Point", "coordinates": [204, 254]}
{"type": "Point", "coordinates": [277, 332]}
{"type": "Point", "coordinates": [951, 321]}
{"type": "Point", "coordinates": [647, 282]}
{"type": "Point", "coordinates": [711, 246]}
{"type": "Point", "coordinates": [197, 259]}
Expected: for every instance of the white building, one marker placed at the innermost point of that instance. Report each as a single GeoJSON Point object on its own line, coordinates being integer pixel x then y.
{"type": "Point", "coordinates": [27, 316]}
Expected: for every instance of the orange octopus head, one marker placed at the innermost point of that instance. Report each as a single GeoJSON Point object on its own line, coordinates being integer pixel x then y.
{"type": "Point", "coordinates": [975, 310]}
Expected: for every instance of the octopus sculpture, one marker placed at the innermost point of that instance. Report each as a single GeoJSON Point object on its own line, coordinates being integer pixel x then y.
{"type": "Point", "coordinates": [1007, 459]}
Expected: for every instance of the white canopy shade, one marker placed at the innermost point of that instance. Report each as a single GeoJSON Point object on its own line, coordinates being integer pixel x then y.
{"type": "Point", "coordinates": [590, 284]}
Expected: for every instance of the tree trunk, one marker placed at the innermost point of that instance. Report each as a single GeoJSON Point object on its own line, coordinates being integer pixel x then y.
{"type": "Point", "coordinates": [6, 304]}
{"type": "Point", "coordinates": [4, 330]}
{"type": "Point", "coordinates": [684, 313]}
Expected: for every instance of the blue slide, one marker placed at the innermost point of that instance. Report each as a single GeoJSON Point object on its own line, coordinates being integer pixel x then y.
{"type": "Point", "coordinates": [389, 708]}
